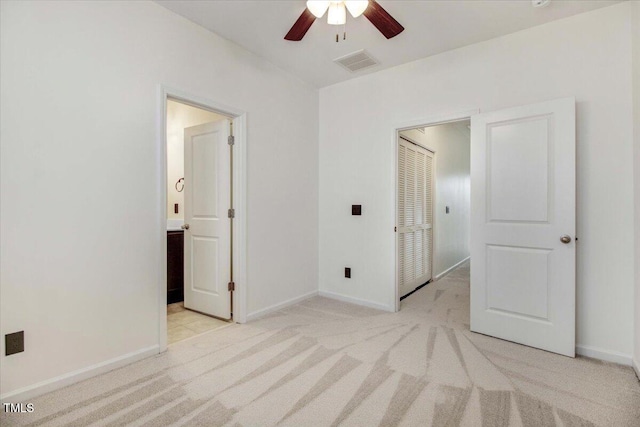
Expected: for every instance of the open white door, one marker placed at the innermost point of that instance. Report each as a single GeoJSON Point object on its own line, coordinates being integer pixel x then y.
{"type": "Point", "coordinates": [523, 225]}
{"type": "Point", "coordinates": [415, 216]}
{"type": "Point", "coordinates": [207, 257]}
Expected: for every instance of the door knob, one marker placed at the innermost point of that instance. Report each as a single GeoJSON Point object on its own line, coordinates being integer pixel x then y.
{"type": "Point", "coordinates": [565, 239]}
{"type": "Point", "coordinates": [185, 226]}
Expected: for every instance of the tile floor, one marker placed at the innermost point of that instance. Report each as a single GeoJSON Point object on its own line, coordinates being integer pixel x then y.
{"type": "Point", "coordinates": [183, 323]}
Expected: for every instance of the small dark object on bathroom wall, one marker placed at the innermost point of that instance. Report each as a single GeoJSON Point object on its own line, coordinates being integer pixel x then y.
{"type": "Point", "coordinates": [179, 185]}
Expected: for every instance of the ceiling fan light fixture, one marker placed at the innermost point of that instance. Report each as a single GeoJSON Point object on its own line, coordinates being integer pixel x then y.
{"type": "Point", "coordinates": [356, 7]}
{"type": "Point", "coordinates": [317, 7]}
{"type": "Point", "coordinates": [337, 13]}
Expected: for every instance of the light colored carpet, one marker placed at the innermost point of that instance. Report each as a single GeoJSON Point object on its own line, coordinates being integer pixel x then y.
{"type": "Point", "coordinates": [327, 363]}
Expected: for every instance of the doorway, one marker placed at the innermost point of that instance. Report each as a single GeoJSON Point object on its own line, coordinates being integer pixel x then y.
{"type": "Point", "coordinates": [522, 224]}
{"type": "Point", "coordinates": [433, 203]}
{"type": "Point", "coordinates": [203, 248]}
{"type": "Point", "coordinates": [197, 170]}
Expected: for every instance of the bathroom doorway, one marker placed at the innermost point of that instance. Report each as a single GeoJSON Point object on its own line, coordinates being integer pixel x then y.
{"type": "Point", "coordinates": [198, 226]}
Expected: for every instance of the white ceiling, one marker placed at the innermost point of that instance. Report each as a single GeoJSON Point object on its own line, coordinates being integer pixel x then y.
{"type": "Point", "coordinates": [431, 27]}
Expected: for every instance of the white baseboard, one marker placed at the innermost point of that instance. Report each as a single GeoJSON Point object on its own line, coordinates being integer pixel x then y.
{"type": "Point", "coordinates": [28, 392]}
{"type": "Point", "coordinates": [606, 355]}
{"type": "Point", "coordinates": [636, 367]}
{"type": "Point", "coordinates": [279, 306]}
{"type": "Point", "coordinates": [356, 301]}
{"type": "Point", "coordinates": [444, 273]}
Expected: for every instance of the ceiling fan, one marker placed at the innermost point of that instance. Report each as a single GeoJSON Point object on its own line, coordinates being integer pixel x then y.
{"type": "Point", "coordinates": [337, 15]}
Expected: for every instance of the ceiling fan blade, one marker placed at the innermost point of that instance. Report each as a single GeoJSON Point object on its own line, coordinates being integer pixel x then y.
{"type": "Point", "coordinates": [302, 25]}
{"type": "Point", "coordinates": [381, 19]}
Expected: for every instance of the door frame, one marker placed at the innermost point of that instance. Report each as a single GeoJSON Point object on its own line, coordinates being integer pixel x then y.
{"type": "Point", "coordinates": [239, 176]}
{"type": "Point", "coordinates": [428, 121]}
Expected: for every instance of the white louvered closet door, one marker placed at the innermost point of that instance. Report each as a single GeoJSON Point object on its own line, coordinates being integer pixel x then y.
{"type": "Point", "coordinates": [415, 216]}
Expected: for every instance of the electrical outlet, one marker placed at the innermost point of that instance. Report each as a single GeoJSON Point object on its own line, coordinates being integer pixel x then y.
{"type": "Point", "coordinates": [347, 272]}
{"type": "Point", "coordinates": [14, 343]}
{"type": "Point", "coordinates": [446, 209]}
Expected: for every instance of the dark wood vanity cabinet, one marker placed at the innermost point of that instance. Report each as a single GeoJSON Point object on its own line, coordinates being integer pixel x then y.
{"type": "Point", "coordinates": [175, 266]}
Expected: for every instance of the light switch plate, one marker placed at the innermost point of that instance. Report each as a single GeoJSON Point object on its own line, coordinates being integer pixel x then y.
{"type": "Point", "coordinates": [14, 343]}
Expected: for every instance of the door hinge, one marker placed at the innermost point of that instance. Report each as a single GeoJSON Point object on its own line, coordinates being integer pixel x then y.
{"type": "Point", "coordinates": [232, 286]}
{"type": "Point", "coordinates": [231, 139]}
{"type": "Point", "coordinates": [231, 213]}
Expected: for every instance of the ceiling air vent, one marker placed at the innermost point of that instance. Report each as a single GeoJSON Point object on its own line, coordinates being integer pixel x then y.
{"type": "Point", "coordinates": [356, 61]}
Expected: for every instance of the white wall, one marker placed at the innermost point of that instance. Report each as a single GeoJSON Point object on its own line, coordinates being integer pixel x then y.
{"type": "Point", "coordinates": [451, 142]}
{"type": "Point", "coordinates": [179, 117]}
{"type": "Point", "coordinates": [80, 167]}
{"type": "Point", "coordinates": [636, 132]}
{"type": "Point", "coordinates": [587, 56]}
